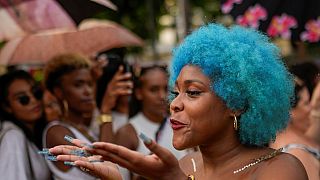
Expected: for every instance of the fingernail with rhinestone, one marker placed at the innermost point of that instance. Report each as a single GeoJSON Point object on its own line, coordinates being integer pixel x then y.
{"type": "Point", "coordinates": [68, 138]}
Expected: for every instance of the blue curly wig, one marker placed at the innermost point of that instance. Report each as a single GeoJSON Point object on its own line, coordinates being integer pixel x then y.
{"type": "Point", "coordinates": [246, 72]}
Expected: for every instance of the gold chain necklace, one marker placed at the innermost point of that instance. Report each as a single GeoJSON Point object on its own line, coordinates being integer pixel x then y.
{"type": "Point", "coordinates": [258, 160]}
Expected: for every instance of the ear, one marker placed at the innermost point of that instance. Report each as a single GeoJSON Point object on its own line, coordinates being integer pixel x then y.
{"type": "Point", "coordinates": [138, 94]}
{"type": "Point", "coordinates": [58, 93]}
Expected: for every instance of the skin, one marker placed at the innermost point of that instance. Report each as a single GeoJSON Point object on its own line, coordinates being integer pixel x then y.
{"type": "Point", "coordinates": [152, 95]}
{"type": "Point", "coordinates": [77, 89]}
{"type": "Point", "coordinates": [29, 113]}
{"type": "Point", "coordinates": [220, 155]}
{"type": "Point", "coordinates": [294, 133]}
{"type": "Point", "coordinates": [300, 114]}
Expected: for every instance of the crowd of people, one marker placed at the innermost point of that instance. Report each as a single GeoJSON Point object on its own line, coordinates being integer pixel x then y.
{"type": "Point", "coordinates": [227, 107]}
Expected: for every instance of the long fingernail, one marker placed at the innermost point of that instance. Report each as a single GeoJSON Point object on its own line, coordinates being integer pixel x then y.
{"type": "Point", "coordinates": [145, 139]}
{"type": "Point", "coordinates": [80, 152]}
{"type": "Point", "coordinates": [45, 151]}
{"type": "Point", "coordinates": [51, 158]}
{"type": "Point", "coordinates": [68, 138]}
{"type": "Point", "coordinates": [69, 163]}
{"type": "Point", "coordinates": [87, 145]}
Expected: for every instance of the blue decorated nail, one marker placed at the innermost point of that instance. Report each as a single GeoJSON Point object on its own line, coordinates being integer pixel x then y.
{"type": "Point", "coordinates": [69, 163]}
{"type": "Point", "coordinates": [45, 151]}
{"type": "Point", "coordinates": [87, 145]}
{"type": "Point", "coordinates": [51, 158]}
{"type": "Point", "coordinates": [145, 139]}
{"type": "Point", "coordinates": [68, 138]}
{"type": "Point", "coordinates": [80, 152]}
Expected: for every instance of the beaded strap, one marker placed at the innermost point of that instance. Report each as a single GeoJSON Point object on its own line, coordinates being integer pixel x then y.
{"type": "Point", "coordinates": [258, 160]}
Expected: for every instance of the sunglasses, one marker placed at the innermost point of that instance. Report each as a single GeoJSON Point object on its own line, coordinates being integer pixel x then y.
{"type": "Point", "coordinates": [25, 99]}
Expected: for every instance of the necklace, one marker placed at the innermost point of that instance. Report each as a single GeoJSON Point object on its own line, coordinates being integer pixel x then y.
{"type": "Point", "coordinates": [258, 160]}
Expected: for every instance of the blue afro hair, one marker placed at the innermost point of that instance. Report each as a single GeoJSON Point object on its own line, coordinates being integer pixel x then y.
{"type": "Point", "coordinates": [246, 72]}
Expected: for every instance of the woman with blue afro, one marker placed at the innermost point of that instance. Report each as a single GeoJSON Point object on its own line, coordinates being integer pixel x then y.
{"type": "Point", "coordinates": [230, 95]}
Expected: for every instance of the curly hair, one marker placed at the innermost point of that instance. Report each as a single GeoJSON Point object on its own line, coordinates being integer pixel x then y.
{"type": "Point", "coordinates": [246, 72]}
{"type": "Point", "coordinates": [61, 65]}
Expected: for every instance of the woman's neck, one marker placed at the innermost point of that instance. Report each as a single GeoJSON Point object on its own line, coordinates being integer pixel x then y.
{"type": "Point", "coordinates": [152, 117]}
{"type": "Point", "coordinates": [78, 118]}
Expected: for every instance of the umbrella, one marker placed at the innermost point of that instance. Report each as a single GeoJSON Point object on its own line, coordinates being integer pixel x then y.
{"type": "Point", "coordinates": [90, 38]}
{"type": "Point", "coordinates": [20, 17]}
{"type": "Point", "coordinates": [298, 20]}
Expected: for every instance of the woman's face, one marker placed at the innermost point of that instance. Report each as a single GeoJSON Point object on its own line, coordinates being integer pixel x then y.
{"type": "Point", "coordinates": [300, 113]}
{"type": "Point", "coordinates": [77, 88]}
{"type": "Point", "coordinates": [198, 116]}
{"type": "Point", "coordinates": [153, 92]}
{"type": "Point", "coordinates": [24, 103]}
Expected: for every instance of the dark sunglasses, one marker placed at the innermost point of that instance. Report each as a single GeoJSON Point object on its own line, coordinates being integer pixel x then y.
{"type": "Point", "coordinates": [25, 99]}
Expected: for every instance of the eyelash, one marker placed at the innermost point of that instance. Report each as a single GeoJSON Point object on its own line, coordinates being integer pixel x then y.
{"type": "Point", "coordinates": [189, 93]}
{"type": "Point", "coordinates": [193, 93]}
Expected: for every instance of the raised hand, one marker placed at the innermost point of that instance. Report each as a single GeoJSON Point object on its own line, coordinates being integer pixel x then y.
{"type": "Point", "coordinates": [91, 164]}
{"type": "Point", "coordinates": [160, 165]}
{"type": "Point", "coordinates": [121, 84]}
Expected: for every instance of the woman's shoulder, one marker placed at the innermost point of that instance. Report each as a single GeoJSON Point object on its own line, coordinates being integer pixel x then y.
{"type": "Point", "coordinates": [283, 166]}
{"type": "Point", "coordinates": [55, 132]}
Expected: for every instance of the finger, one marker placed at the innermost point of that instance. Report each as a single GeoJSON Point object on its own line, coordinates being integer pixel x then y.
{"type": "Point", "coordinates": [105, 170]}
{"type": "Point", "coordinates": [124, 84]}
{"type": "Point", "coordinates": [71, 158]}
{"type": "Point", "coordinates": [115, 153]}
{"type": "Point", "coordinates": [164, 154]}
{"type": "Point", "coordinates": [63, 149]}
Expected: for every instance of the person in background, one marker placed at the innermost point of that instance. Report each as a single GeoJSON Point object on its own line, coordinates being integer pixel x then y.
{"type": "Point", "coordinates": [151, 109]}
{"type": "Point", "coordinates": [22, 124]}
{"type": "Point", "coordinates": [230, 95]}
{"type": "Point", "coordinates": [69, 78]}
{"type": "Point", "coordinates": [52, 108]}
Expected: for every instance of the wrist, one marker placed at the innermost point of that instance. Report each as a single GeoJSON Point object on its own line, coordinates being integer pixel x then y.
{"type": "Point", "coordinates": [104, 118]}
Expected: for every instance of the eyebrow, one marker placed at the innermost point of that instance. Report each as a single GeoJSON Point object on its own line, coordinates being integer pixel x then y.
{"type": "Point", "coordinates": [190, 81]}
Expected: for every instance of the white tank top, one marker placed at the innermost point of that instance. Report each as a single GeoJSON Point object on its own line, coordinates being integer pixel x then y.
{"type": "Point", "coordinates": [73, 173]}
{"type": "Point", "coordinates": [141, 124]}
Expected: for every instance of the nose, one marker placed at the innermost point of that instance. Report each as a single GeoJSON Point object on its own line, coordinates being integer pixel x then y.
{"type": "Point", "coordinates": [163, 94]}
{"type": "Point", "coordinates": [88, 90]}
{"type": "Point", "coordinates": [176, 105]}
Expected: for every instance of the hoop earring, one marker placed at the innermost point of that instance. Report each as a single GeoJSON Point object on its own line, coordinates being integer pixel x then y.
{"type": "Point", "coordinates": [235, 122]}
{"type": "Point", "coordinates": [65, 108]}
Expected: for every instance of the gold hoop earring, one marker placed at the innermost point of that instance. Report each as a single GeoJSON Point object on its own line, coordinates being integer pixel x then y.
{"type": "Point", "coordinates": [235, 122]}
{"type": "Point", "coordinates": [65, 108]}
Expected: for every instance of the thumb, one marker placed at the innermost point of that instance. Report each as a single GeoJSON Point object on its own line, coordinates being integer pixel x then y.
{"type": "Point", "coordinates": [164, 154]}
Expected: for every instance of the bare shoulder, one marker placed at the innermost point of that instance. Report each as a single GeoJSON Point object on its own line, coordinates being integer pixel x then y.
{"type": "Point", "coordinates": [283, 166]}
{"type": "Point", "coordinates": [127, 136]}
{"type": "Point", "coordinates": [55, 135]}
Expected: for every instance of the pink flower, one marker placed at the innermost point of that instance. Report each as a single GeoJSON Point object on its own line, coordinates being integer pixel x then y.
{"type": "Point", "coordinates": [312, 33]}
{"type": "Point", "coordinates": [281, 25]}
{"type": "Point", "coordinates": [228, 5]}
{"type": "Point", "coordinates": [252, 16]}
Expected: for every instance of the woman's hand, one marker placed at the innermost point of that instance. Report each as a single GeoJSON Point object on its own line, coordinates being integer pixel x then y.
{"type": "Point", "coordinates": [91, 164]}
{"type": "Point", "coordinates": [120, 85]}
{"type": "Point", "coordinates": [160, 165]}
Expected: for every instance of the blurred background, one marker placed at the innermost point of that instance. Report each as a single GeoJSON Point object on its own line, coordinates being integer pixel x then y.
{"type": "Point", "coordinates": [151, 28]}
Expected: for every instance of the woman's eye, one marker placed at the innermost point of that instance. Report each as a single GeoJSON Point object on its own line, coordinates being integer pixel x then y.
{"type": "Point", "coordinates": [193, 93]}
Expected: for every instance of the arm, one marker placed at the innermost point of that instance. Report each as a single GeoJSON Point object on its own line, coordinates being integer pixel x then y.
{"type": "Point", "coordinates": [284, 167]}
{"type": "Point", "coordinates": [120, 85]}
{"type": "Point", "coordinates": [54, 137]}
{"type": "Point", "coordinates": [127, 136]}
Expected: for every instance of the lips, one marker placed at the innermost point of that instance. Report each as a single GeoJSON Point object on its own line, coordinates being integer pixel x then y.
{"type": "Point", "coordinates": [176, 125]}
